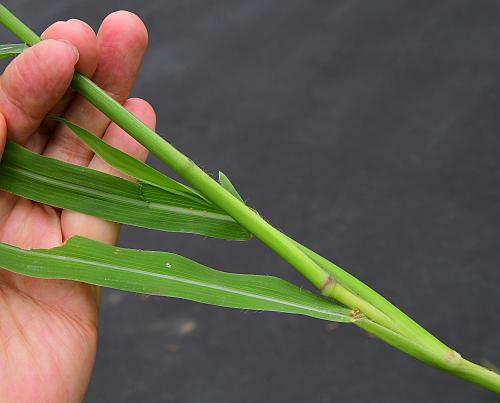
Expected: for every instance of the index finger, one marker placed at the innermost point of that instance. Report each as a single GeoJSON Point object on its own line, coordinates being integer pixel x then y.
{"type": "Point", "coordinates": [33, 83]}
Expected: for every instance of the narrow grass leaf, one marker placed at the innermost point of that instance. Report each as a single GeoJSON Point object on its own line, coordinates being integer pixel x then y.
{"type": "Point", "coordinates": [166, 274]}
{"type": "Point", "coordinates": [11, 50]}
{"type": "Point", "coordinates": [226, 184]}
{"type": "Point", "coordinates": [72, 187]}
{"type": "Point", "coordinates": [128, 164]}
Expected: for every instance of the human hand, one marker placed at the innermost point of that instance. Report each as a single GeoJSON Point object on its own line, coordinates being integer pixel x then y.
{"type": "Point", "coordinates": [48, 328]}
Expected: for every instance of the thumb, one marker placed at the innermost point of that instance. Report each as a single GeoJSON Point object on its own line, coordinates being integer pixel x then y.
{"type": "Point", "coordinates": [33, 83]}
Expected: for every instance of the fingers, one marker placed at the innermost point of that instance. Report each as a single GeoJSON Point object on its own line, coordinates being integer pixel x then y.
{"type": "Point", "coordinates": [84, 39]}
{"type": "Point", "coordinates": [80, 35]}
{"type": "Point", "coordinates": [121, 43]}
{"type": "Point", "coordinates": [74, 223]}
{"type": "Point", "coordinates": [33, 83]}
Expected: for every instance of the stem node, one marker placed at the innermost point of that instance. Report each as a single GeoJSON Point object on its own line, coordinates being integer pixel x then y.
{"type": "Point", "coordinates": [453, 358]}
{"type": "Point", "coordinates": [328, 285]}
{"type": "Point", "coordinates": [356, 314]}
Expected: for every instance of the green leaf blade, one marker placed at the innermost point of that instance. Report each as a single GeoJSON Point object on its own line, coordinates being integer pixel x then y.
{"type": "Point", "coordinates": [11, 50]}
{"type": "Point", "coordinates": [167, 274]}
{"type": "Point", "coordinates": [63, 185]}
{"type": "Point", "coordinates": [226, 184]}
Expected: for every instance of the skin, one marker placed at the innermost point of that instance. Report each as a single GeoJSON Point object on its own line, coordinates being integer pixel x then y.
{"type": "Point", "coordinates": [48, 328]}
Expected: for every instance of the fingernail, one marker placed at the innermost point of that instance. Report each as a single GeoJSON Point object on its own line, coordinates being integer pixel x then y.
{"type": "Point", "coordinates": [75, 50]}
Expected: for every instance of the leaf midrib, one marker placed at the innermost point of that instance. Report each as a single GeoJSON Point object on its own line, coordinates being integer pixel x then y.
{"type": "Point", "coordinates": [114, 197]}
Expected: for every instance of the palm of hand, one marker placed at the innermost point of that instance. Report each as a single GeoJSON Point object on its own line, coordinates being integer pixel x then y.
{"type": "Point", "coordinates": [48, 328]}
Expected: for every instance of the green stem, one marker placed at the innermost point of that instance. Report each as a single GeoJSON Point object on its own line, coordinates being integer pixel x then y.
{"type": "Point", "coordinates": [449, 361]}
{"type": "Point", "coordinates": [17, 27]}
{"type": "Point", "coordinates": [403, 323]}
{"type": "Point", "coordinates": [479, 375]}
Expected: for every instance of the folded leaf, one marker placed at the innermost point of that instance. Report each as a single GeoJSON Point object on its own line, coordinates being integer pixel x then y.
{"type": "Point", "coordinates": [129, 165]}
{"type": "Point", "coordinates": [72, 187]}
{"type": "Point", "coordinates": [166, 274]}
{"type": "Point", "coordinates": [11, 50]}
{"type": "Point", "coordinates": [226, 184]}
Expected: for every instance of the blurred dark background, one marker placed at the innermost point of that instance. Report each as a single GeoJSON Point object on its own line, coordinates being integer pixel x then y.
{"type": "Point", "coordinates": [369, 131]}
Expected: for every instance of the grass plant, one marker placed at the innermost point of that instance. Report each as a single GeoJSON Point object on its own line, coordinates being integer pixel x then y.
{"type": "Point", "coordinates": [204, 206]}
